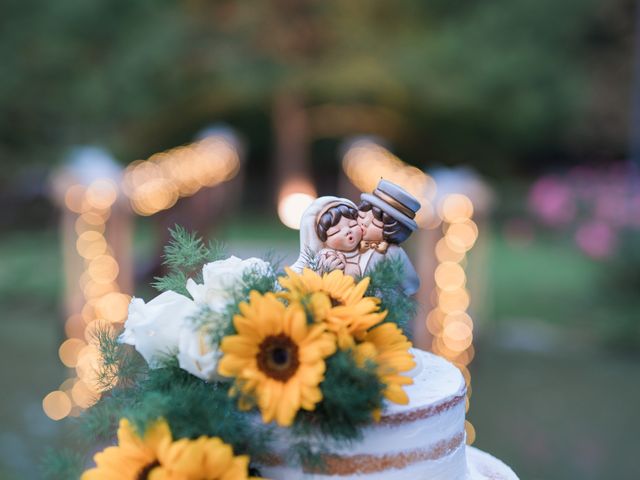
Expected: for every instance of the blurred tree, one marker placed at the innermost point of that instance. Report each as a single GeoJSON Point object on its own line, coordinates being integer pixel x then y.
{"type": "Point", "coordinates": [475, 82]}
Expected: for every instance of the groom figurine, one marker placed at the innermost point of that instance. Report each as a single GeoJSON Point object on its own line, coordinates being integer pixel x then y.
{"type": "Point", "coordinates": [386, 217]}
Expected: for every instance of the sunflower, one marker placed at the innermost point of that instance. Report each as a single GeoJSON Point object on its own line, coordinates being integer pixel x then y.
{"type": "Point", "coordinates": [276, 358]}
{"type": "Point", "coordinates": [336, 300]}
{"type": "Point", "coordinates": [155, 456]}
{"type": "Point", "coordinates": [388, 348]}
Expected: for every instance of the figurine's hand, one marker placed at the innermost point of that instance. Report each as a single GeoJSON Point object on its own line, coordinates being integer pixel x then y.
{"type": "Point", "coordinates": [331, 260]}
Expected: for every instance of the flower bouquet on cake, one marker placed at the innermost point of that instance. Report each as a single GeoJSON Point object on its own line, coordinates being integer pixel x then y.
{"type": "Point", "coordinates": [208, 378]}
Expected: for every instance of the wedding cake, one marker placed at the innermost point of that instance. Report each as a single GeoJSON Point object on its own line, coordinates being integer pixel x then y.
{"type": "Point", "coordinates": [424, 439]}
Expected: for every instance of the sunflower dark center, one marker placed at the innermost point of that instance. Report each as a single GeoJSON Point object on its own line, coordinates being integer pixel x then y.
{"type": "Point", "coordinates": [146, 470]}
{"type": "Point", "coordinates": [278, 357]}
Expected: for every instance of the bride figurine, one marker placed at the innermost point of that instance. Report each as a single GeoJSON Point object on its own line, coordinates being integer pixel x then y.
{"type": "Point", "coordinates": [330, 236]}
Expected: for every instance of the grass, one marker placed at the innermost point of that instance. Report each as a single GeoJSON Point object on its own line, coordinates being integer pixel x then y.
{"type": "Point", "coordinates": [546, 279]}
{"type": "Point", "coordinates": [30, 332]}
{"type": "Point", "coordinates": [558, 416]}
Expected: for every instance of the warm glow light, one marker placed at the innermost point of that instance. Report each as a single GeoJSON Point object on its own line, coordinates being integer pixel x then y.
{"type": "Point", "coordinates": [56, 405]}
{"type": "Point", "coordinates": [456, 208]}
{"type": "Point", "coordinates": [445, 254]}
{"type": "Point", "coordinates": [88, 311]}
{"type": "Point", "coordinates": [448, 322]}
{"type": "Point", "coordinates": [103, 269]}
{"type": "Point", "coordinates": [291, 208]}
{"type": "Point", "coordinates": [74, 326]}
{"type": "Point", "coordinates": [366, 162]}
{"type": "Point", "coordinates": [460, 237]}
{"type": "Point", "coordinates": [113, 307]}
{"type": "Point", "coordinates": [449, 276]}
{"type": "Point", "coordinates": [82, 225]}
{"type": "Point", "coordinates": [69, 350]}
{"type": "Point", "coordinates": [94, 326]}
{"type": "Point", "coordinates": [156, 184]}
{"type": "Point", "coordinates": [104, 304]}
{"type": "Point", "coordinates": [74, 198]}
{"type": "Point", "coordinates": [458, 318]}
{"type": "Point", "coordinates": [465, 357]}
{"type": "Point", "coordinates": [101, 194]}
{"type": "Point", "coordinates": [96, 290]}
{"type": "Point", "coordinates": [453, 300]}
{"type": "Point", "coordinates": [153, 196]}
{"type": "Point", "coordinates": [457, 345]}
{"type": "Point", "coordinates": [471, 432]}
{"type": "Point", "coordinates": [88, 366]}
{"type": "Point", "coordinates": [82, 395]}
{"type": "Point", "coordinates": [90, 244]}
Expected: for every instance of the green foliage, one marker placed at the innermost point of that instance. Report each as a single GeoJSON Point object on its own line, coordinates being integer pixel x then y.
{"type": "Point", "coordinates": [62, 465]}
{"type": "Point", "coordinates": [193, 408]}
{"type": "Point", "coordinates": [217, 324]}
{"type": "Point", "coordinates": [184, 257]}
{"type": "Point", "coordinates": [350, 395]}
{"type": "Point", "coordinates": [386, 284]}
{"type": "Point", "coordinates": [120, 364]}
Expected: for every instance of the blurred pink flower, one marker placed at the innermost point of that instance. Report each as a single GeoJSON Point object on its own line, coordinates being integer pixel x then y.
{"type": "Point", "coordinates": [552, 200]}
{"type": "Point", "coordinates": [596, 239]}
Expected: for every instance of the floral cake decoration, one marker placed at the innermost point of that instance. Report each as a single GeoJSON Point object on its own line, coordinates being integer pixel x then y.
{"type": "Point", "coordinates": [231, 351]}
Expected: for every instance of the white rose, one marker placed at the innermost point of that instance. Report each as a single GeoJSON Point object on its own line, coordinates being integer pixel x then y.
{"type": "Point", "coordinates": [197, 355]}
{"type": "Point", "coordinates": [221, 278]}
{"type": "Point", "coordinates": [154, 328]}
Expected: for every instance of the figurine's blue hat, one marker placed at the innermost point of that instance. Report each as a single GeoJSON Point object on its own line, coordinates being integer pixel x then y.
{"type": "Point", "coordinates": [394, 201]}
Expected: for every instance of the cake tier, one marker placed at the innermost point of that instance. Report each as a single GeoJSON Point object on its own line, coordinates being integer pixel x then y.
{"type": "Point", "coordinates": [424, 439]}
{"type": "Point", "coordinates": [483, 466]}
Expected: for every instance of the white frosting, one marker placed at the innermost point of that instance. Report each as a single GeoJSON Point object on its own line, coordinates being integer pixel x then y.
{"type": "Point", "coordinates": [436, 409]}
{"type": "Point", "coordinates": [434, 381]}
{"type": "Point", "coordinates": [483, 466]}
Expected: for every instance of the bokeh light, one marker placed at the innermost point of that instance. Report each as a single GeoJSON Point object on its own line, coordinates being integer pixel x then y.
{"type": "Point", "coordinates": [69, 350]}
{"type": "Point", "coordinates": [293, 199]}
{"type": "Point", "coordinates": [56, 405]}
{"type": "Point", "coordinates": [291, 208]}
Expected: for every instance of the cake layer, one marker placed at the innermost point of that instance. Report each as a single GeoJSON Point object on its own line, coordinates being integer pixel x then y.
{"type": "Point", "coordinates": [483, 466]}
{"type": "Point", "coordinates": [424, 439]}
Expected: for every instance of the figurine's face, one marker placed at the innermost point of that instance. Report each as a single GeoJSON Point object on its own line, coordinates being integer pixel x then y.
{"type": "Point", "coordinates": [371, 228]}
{"type": "Point", "coordinates": [344, 236]}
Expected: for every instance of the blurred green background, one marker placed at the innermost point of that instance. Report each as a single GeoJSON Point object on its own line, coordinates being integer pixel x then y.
{"type": "Point", "coordinates": [535, 95]}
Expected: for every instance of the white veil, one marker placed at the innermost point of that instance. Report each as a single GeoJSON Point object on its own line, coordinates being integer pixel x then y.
{"type": "Point", "coordinates": [310, 244]}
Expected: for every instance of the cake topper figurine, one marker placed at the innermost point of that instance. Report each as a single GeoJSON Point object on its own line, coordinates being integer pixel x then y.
{"type": "Point", "coordinates": [335, 234]}
{"type": "Point", "coordinates": [330, 236]}
{"type": "Point", "coordinates": [386, 217]}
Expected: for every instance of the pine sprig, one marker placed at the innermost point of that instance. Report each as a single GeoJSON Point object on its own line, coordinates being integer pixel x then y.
{"type": "Point", "coordinates": [386, 284]}
{"type": "Point", "coordinates": [184, 257]}
{"type": "Point", "coordinates": [62, 464]}
{"type": "Point", "coordinates": [350, 395]}
{"type": "Point", "coordinates": [120, 364]}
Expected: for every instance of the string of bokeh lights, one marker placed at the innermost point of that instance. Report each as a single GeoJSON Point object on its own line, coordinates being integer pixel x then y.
{"type": "Point", "coordinates": [364, 163]}
{"type": "Point", "coordinates": [448, 321]}
{"type": "Point", "coordinates": [157, 183]}
{"type": "Point", "coordinates": [105, 305]}
{"type": "Point", "coordinates": [151, 185]}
